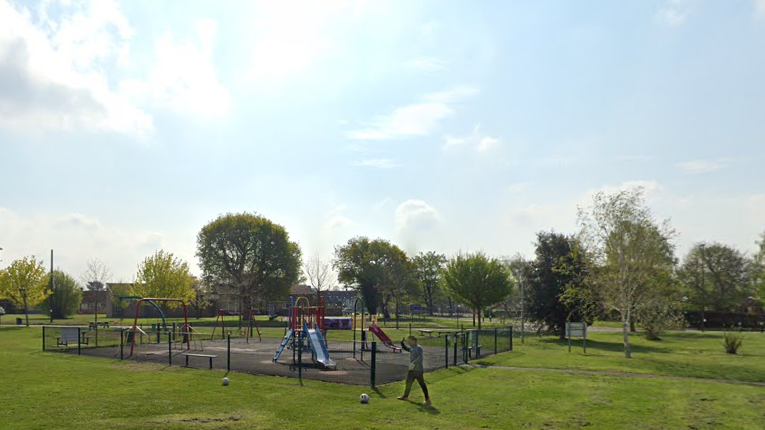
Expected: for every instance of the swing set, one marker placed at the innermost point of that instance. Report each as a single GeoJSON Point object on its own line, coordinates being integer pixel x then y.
{"type": "Point", "coordinates": [247, 332]}
{"type": "Point", "coordinates": [185, 328]}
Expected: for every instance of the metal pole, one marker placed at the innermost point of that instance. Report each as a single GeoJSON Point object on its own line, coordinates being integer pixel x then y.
{"type": "Point", "coordinates": [51, 286]}
{"type": "Point", "coordinates": [122, 343]}
{"type": "Point", "coordinates": [373, 367]}
{"type": "Point", "coordinates": [43, 340]}
{"type": "Point", "coordinates": [169, 348]}
{"type": "Point", "coordinates": [496, 336]}
{"type": "Point", "coordinates": [228, 353]}
{"type": "Point", "coordinates": [523, 313]}
{"type": "Point", "coordinates": [511, 338]}
{"type": "Point", "coordinates": [456, 341]}
{"type": "Point", "coordinates": [300, 357]}
{"type": "Point", "coordinates": [446, 350]}
{"type": "Point", "coordinates": [79, 347]}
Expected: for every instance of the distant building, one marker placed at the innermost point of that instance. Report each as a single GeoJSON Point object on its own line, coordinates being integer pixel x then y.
{"type": "Point", "coordinates": [91, 299]}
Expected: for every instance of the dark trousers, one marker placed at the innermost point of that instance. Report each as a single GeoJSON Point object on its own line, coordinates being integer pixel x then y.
{"type": "Point", "coordinates": [419, 376]}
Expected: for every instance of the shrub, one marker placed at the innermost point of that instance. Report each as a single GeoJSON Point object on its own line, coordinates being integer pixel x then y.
{"type": "Point", "coordinates": [732, 342]}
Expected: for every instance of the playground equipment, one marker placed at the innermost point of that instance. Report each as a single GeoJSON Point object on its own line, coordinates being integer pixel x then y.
{"type": "Point", "coordinates": [374, 328]}
{"type": "Point", "coordinates": [150, 302]}
{"type": "Point", "coordinates": [186, 328]}
{"type": "Point", "coordinates": [220, 319]}
{"type": "Point", "coordinates": [306, 322]}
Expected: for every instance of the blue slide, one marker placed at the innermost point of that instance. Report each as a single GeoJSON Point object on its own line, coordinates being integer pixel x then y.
{"type": "Point", "coordinates": [319, 347]}
{"type": "Point", "coordinates": [285, 342]}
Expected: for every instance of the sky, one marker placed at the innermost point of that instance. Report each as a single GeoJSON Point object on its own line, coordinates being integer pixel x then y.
{"type": "Point", "coordinates": [452, 126]}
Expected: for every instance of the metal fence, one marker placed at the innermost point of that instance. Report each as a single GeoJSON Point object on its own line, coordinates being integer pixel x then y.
{"type": "Point", "coordinates": [354, 362]}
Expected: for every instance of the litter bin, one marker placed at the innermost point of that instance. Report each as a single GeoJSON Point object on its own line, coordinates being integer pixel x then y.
{"type": "Point", "coordinates": [19, 321]}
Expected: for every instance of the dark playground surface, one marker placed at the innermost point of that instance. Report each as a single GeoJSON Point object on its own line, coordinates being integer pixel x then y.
{"type": "Point", "coordinates": [256, 357]}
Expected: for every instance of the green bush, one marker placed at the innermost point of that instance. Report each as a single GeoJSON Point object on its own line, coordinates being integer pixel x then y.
{"type": "Point", "coordinates": [732, 342]}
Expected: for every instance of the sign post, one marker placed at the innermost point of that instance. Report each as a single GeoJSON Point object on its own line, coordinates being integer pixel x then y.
{"type": "Point", "coordinates": [577, 329]}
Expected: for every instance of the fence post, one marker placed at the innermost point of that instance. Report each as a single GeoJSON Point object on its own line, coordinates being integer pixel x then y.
{"type": "Point", "coordinates": [122, 343]}
{"type": "Point", "coordinates": [446, 351]}
{"type": "Point", "coordinates": [79, 347]}
{"type": "Point", "coordinates": [511, 338]}
{"type": "Point", "coordinates": [43, 338]}
{"type": "Point", "coordinates": [477, 344]}
{"type": "Point", "coordinates": [373, 367]}
{"type": "Point", "coordinates": [228, 353]}
{"type": "Point", "coordinates": [496, 337]}
{"type": "Point", "coordinates": [169, 348]}
{"type": "Point", "coordinates": [96, 329]}
{"type": "Point", "coordinates": [456, 341]}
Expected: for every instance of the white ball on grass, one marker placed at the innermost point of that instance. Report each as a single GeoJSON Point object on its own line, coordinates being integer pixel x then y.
{"type": "Point", "coordinates": [225, 382]}
{"type": "Point", "coordinates": [364, 398]}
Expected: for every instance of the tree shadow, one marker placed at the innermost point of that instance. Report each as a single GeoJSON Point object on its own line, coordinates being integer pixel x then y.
{"type": "Point", "coordinates": [379, 393]}
{"type": "Point", "coordinates": [606, 346]}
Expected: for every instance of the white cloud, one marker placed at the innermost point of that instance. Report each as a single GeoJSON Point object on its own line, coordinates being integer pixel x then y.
{"type": "Point", "coordinates": [52, 71]}
{"type": "Point", "coordinates": [417, 119]}
{"type": "Point", "coordinates": [416, 215]}
{"type": "Point", "coordinates": [635, 158]}
{"type": "Point", "coordinates": [338, 221]}
{"type": "Point", "coordinates": [759, 8]}
{"type": "Point", "coordinates": [427, 64]}
{"type": "Point", "coordinates": [703, 165]}
{"type": "Point", "coordinates": [475, 139]}
{"type": "Point", "coordinates": [378, 163]}
{"type": "Point", "coordinates": [183, 76]}
{"type": "Point", "coordinates": [518, 187]}
{"type": "Point", "coordinates": [75, 238]}
{"type": "Point", "coordinates": [674, 12]}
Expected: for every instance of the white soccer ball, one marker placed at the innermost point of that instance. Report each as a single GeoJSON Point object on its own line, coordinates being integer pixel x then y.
{"type": "Point", "coordinates": [225, 382]}
{"type": "Point", "coordinates": [364, 398]}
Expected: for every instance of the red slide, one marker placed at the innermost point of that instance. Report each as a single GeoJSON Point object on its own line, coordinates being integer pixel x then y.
{"type": "Point", "coordinates": [374, 328]}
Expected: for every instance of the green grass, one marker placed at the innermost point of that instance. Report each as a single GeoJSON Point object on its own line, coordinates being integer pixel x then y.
{"type": "Point", "coordinates": [684, 354]}
{"type": "Point", "coordinates": [47, 390]}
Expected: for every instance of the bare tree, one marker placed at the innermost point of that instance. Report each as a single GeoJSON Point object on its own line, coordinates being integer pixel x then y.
{"type": "Point", "coordinates": [95, 277]}
{"type": "Point", "coordinates": [320, 274]}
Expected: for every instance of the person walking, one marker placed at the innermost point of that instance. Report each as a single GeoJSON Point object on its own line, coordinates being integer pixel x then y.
{"type": "Point", "coordinates": [416, 369]}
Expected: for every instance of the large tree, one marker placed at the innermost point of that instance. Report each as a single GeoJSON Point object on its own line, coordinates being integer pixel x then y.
{"type": "Point", "coordinates": [249, 254]}
{"type": "Point", "coordinates": [95, 277]}
{"type": "Point", "coordinates": [398, 280]}
{"type": "Point", "coordinates": [319, 274]}
{"type": "Point", "coordinates": [428, 270]}
{"type": "Point", "coordinates": [628, 247]}
{"type": "Point", "coordinates": [558, 267]}
{"type": "Point", "coordinates": [717, 277]}
{"type": "Point", "coordinates": [477, 281]}
{"type": "Point", "coordinates": [22, 283]}
{"type": "Point", "coordinates": [67, 295]}
{"type": "Point", "coordinates": [758, 268]}
{"type": "Point", "coordinates": [163, 275]}
{"type": "Point", "coordinates": [365, 265]}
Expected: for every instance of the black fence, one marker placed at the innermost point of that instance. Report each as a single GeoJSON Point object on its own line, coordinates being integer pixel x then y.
{"type": "Point", "coordinates": [360, 363]}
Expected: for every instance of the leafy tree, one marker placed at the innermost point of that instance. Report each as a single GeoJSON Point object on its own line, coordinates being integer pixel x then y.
{"type": "Point", "coordinates": [360, 263]}
{"type": "Point", "coordinates": [249, 254]}
{"type": "Point", "coordinates": [477, 281]}
{"type": "Point", "coordinates": [628, 248]}
{"type": "Point", "coordinates": [717, 277]}
{"type": "Point", "coordinates": [758, 268]}
{"type": "Point", "coordinates": [163, 275]}
{"type": "Point", "coordinates": [66, 297]}
{"type": "Point", "coordinates": [428, 270]}
{"type": "Point", "coordinates": [398, 279]}
{"type": "Point", "coordinates": [22, 283]}
{"type": "Point", "coordinates": [661, 310]}
{"type": "Point", "coordinates": [319, 273]}
{"type": "Point", "coordinates": [557, 267]}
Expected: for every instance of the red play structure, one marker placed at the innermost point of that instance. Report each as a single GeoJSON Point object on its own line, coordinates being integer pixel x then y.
{"type": "Point", "coordinates": [220, 319]}
{"type": "Point", "coordinates": [186, 329]}
{"type": "Point", "coordinates": [299, 315]}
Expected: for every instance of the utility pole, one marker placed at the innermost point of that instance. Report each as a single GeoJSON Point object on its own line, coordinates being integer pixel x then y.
{"type": "Point", "coordinates": [51, 286]}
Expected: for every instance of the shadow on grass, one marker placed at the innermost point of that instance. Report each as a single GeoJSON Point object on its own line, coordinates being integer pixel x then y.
{"type": "Point", "coordinates": [426, 408]}
{"type": "Point", "coordinates": [606, 346]}
{"type": "Point", "coordinates": [379, 393]}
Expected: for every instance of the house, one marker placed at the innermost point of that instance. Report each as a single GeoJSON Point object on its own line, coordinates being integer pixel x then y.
{"type": "Point", "coordinates": [92, 300]}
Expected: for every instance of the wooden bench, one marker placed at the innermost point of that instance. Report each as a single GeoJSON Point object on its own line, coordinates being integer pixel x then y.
{"type": "Point", "coordinates": [187, 355]}
{"type": "Point", "coordinates": [426, 331]}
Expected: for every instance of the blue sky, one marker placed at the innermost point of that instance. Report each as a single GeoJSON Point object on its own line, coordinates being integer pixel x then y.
{"type": "Point", "coordinates": [125, 127]}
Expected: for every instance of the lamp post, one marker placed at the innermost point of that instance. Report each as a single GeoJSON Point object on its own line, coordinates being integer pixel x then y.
{"type": "Point", "coordinates": [702, 249]}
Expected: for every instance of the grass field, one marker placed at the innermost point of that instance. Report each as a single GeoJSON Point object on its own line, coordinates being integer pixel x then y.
{"type": "Point", "coordinates": [60, 391]}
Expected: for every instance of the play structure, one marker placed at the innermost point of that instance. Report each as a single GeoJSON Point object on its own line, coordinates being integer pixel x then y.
{"type": "Point", "coordinates": [185, 329]}
{"type": "Point", "coordinates": [377, 331]}
{"type": "Point", "coordinates": [247, 332]}
{"type": "Point", "coordinates": [306, 322]}
{"type": "Point", "coordinates": [358, 326]}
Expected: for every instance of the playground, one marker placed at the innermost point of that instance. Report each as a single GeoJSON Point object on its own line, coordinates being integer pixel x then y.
{"type": "Point", "coordinates": [353, 350]}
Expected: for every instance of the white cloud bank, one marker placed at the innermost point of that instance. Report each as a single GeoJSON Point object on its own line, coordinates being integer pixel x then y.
{"type": "Point", "coordinates": [475, 139]}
